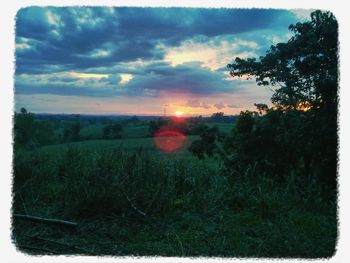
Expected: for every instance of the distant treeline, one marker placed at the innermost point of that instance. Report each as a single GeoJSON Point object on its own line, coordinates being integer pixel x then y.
{"type": "Point", "coordinates": [33, 130]}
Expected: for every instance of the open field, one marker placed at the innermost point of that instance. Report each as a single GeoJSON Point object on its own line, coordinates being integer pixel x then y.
{"type": "Point", "coordinates": [188, 202]}
{"type": "Point", "coordinates": [129, 145]}
{"type": "Point", "coordinates": [129, 131]}
{"type": "Point", "coordinates": [223, 127]}
{"type": "Point", "coordinates": [141, 131]}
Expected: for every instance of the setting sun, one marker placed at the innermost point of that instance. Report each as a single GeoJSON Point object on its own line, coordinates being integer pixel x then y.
{"type": "Point", "coordinates": [179, 113]}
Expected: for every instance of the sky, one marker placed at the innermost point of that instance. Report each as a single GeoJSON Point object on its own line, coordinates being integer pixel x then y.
{"type": "Point", "coordinates": [140, 61]}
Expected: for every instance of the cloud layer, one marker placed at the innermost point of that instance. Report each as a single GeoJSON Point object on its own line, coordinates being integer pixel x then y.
{"type": "Point", "coordinates": [144, 52]}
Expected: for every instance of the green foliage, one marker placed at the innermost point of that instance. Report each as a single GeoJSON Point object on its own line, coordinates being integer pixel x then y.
{"type": "Point", "coordinates": [29, 133]}
{"type": "Point", "coordinates": [245, 123]}
{"type": "Point", "coordinates": [71, 132]}
{"type": "Point", "coordinates": [206, 145]}
{"type": "Point", "coordinates": [293, 133]}
{"type": "Point", "coordinates": [110, 182]}
{"type": "Point", "coordinates": [193, 207]}
{"type": "Point", "coordinates": [261, 107]}
{"type": "Point", "coordinates": [156, 125]}
{"type": "Point", "coordinates": [44, 133]}
{"type": "Point", "coordinates": [187, 126]}
{"type": "Point", "coordinates": [217, 117]}
{"type": "Point", "coordinates": [305, 67]}
{"type": "Point", "coordinates": [112, 131]}
{"type": "Point", "coordinates": [24, 128]}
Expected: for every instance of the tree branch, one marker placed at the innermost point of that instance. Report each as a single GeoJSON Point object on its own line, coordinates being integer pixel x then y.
{"type": "Point", "coordinates": [45, 220]}
{"type": "Point", "coordinates": [132, 205]}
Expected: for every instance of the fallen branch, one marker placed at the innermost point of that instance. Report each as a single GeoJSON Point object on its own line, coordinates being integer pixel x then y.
{"type": "Point", "coordinates": [38, 249]}
{"type": "Point", "coordinates": [132, 205]}
{"type": "Point", "coordinates": [45, 220]}
{"type": "Point", "coordinates": [55, 242]}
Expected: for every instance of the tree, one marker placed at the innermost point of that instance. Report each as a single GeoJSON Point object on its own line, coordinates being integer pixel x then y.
{"type": "Point", "coordinates": [217, 117]}
{"type": "Point", "coordinates": [30, 132]}
{"type": "Point", "coordinates": [112, 131]}
{"type": "Point", "coordinates": [304, 68]}
{"type": "Point", "coordinates": [24, 128]}
{"type": "Point", "coordinates": [206, 145]}
{"type": "Point", "coordinates": [261, 107]}
{"type": "Point", "coordinates": [72, 132]}
{"type": "Point", "coordinates": [304, 73]}
{"type": "Point", "coordinates": [156, 125]}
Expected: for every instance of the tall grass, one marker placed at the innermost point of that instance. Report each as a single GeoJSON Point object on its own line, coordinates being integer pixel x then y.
{"type": "Point", "coordinates": [198, 208]}
{"type": "Point", "coordinates": [80, 183]}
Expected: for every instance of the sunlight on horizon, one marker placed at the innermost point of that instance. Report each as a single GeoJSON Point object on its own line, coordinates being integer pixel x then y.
{"type": "Point", "coordinates": [179, 113]}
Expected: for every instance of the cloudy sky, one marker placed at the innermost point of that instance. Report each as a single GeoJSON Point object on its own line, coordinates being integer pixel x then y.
{"type": "Point", "coordinates": [104, 60]}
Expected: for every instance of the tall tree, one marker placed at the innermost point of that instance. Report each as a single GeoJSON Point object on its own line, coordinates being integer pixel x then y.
{"type": "Point", "coordinates": [304, 72]}
{"type": "Point", "coordinates": [304, 69]}
{"type": "Point", "coordinates": [24, 128]}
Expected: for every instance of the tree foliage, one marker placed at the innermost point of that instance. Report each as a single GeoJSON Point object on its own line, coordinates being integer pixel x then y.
{"type": "Point", "coordinates": [298, 134]}
{"type": "Point", "coordinates": [304, 68]}
{"type": "Point", "coordinates": [206, 146]}
{"type": "Point", "coordinates": [28, 132]}
{"type": "Point", "coordinates": [71, 132]}
{"type": "Point", "coordinates": [300, 131]}
{"type": "Point", "coordinates": [112, 131]}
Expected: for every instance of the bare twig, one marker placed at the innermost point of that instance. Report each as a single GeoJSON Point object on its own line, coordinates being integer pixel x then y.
{"type": "Point", "coordinates": [45, 220]}
{"type": "Point", "coordinates": [178, 240]}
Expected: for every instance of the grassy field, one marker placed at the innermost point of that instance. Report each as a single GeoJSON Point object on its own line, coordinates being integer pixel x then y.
{"type": "Point", "coordinates": [199, 211]}
{"type": "Point", "coordinates": [129, 131]}
{"type": "Point", "coordinates": [129, 145]}
{"type": "Point", "coordinates": [223, 127]}
{"type": "Point", "coordinates": [141, 130]}
{"type": "Point", "coordinates": [189, 207]}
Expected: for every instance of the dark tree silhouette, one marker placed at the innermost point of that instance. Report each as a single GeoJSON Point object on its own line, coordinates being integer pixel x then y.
{"type": "Point", "coordinates": [304, 73]}
{"type": "Point", "coordinates": [304, 69]}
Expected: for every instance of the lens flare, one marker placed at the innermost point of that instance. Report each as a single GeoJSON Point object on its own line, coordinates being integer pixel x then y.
{"type": "Point", "coordinates": [169, 140]}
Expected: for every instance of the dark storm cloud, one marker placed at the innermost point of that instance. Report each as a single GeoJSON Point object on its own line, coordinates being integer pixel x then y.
{"type": "Point", "coordinates": [188, 78]}
{"type": "Point", "coordinates": [153, 80]}
{"type": "Point", "coordinates": [71, 38]}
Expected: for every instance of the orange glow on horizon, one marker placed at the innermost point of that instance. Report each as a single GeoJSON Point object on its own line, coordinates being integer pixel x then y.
{"type": "Point", "coordinates": [304, 106]}
{"type": "Point", "coordinates": [179, 113]}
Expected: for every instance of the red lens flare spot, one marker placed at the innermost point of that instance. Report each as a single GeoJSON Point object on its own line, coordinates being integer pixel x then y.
{"type": "Point", "coordinates": [169, 140]}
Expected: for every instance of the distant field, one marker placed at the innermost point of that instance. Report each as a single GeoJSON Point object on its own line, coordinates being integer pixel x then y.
{"type": "Point", "coordinates": [136, 131]}
{"type": "Point", "coordinates": [132, 131]}
{"type": "Point", "coordinates": [223, 127]}
{"type": "Point", "coordinates": [92, 131]}
{"type": "Point", "coordinates": [130, 144]}
{"type": "Point", "coordinates": [140, 131]}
